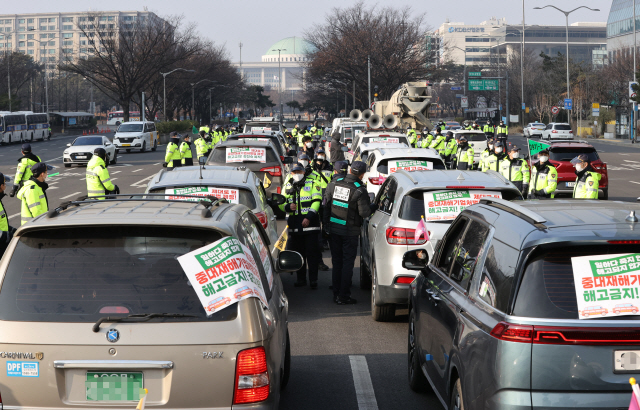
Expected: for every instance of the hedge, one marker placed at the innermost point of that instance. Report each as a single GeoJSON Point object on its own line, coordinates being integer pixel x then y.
{"type": "Point", "coordinates": [166, 127]}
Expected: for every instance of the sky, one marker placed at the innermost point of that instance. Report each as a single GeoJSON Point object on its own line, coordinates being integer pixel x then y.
{"type": "Point", "coordinates": [259, 24]}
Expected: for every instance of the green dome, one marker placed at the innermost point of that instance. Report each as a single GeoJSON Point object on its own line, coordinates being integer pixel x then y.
{"type": "Point", "coordinates": [292, 45]}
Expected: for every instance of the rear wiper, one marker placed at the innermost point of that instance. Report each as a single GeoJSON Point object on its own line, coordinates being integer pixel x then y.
{"type": "Point", "coordinates": [138, 317]}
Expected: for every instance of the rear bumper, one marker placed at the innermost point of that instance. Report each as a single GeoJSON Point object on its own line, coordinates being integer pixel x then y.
{"type": "Point", "coordinates": [565, 400]}
{"type": "Point", "coordinates": [394, 294]}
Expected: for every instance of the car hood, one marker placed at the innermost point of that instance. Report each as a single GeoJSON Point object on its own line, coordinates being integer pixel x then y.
{"type": "Point", "coordinates": [83, 148]}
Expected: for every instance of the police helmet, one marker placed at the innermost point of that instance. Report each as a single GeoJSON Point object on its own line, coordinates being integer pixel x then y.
{"type": "Point", "coordinates": [100, 152]}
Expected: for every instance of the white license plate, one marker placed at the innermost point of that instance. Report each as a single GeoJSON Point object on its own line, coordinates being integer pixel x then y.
{"type": "Point", "coordinates": [571, 184]}
{"type": "Point", "coordinates": [81, 157]}
{"type": "Point", "coordinates": [126, 145]}
{"type": "Point", "coordinates": [626, 360]}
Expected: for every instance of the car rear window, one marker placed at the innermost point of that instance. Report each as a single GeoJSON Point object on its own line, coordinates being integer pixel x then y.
{"type": "Point", "coordinates": [219, 155]}
{"type": "Point", "coordinates": [473, 136]}
{"type": "Point", "coordinates": [567, 154]}
{"type": "Point", "coordinates": [547, 288]}
{"type": "Point", "coordinates": [412, 208]}
{"type": "Point", "coordinates": [82, 274]}
{"type": "Point", "coordinates": [562, 127]}
{"type": "Point", "coordinates": [244, 196]}
{"type": "Point", "coordinates": [383, 165]}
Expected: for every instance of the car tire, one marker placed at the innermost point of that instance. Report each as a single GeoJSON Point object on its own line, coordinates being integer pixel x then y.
{"type": "Point", "coordinates": [128, 150]}
{"type": "Point", "coordinates": [456, 397]}
{"type": "Point", "coordinates": [605, 194]}
{"type": "Point", "coordinates": [144, 146]}
{"type": "Point", "coordinates": [114, 160]}
{"type": "Point", "coordinates": [118, 123]}
{"type": "Point", "coordinates": [417, 382]}
{"type": "Point", "coordinates": [382, 313]}
{"type": "Point", "coordinates": [286, 370]}
{"type": "Point", "coordinates": [155, 145]}
{"type": "Point", "coordinates": [67, 165]}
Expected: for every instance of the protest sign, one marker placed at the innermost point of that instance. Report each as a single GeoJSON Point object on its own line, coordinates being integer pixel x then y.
{"type": "Point", "coordinates": [241, 154]}
{"type": "Point", "coordinates": [230, 195]}
{"type": "Point", "coordinates": [410, 165]}
{"type": "Point", "coordinates": [446, 205]}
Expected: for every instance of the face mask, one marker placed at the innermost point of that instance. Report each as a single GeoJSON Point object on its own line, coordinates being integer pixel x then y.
{"type": "Point", "coordinates": [321, 157]}
{"type": "Point", "coordinates": [309, 145]}
{"type": "Point", "coordinates": [498, 150]}
{"type": "Point", "coordinates": [579, 167]}
{"type": "Point", "coordinates": [297, 177]}
{"type": "Point", "coordinates": [304, 163]}
{"type": "Point", "coordinates": [516, 155]}
{"type": "Point", "coordinates": [544, 159]}
{"type": "Point", "coordinates": [490, 146]}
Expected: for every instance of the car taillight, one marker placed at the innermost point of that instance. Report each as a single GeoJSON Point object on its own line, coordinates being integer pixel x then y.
{"type": "Point", "coordinates": [262, 217]}
{"type": "Point", "coordinates": [273, 171]}
{"type": "Point", "coordinates": [513, 333]}
{"type": "Point", "coordinates": [278, 189]}
{"type": "Point", "coordinates": [404, 280]}
{"type": "Point", "coordinates": [566, 335]}
{"type": "Point", "coordinates": [404, 236]}
{"type": "Point", "coordinates": [252, 377]}
{"type": "Point", "coordinates": [375, 180]}
{"type": "Point", "coordinates": [624, 242]}
{"type": "Point", "coordinates": [571, 132]}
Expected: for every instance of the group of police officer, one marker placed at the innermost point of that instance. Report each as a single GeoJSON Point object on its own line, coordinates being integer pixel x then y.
{"type": "Point", "coordinates": [178, 154]}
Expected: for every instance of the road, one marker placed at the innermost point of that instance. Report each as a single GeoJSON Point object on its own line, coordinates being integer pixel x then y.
{"type": "Point", "coordinates": [341, 358]}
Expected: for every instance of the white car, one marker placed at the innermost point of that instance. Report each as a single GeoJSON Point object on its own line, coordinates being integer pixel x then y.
{"type": "Point", "coordinates": [140, 135]}
{"type": "Point", "coordinates": [384, 161]}
{"type": "Point", "coordinates": [362, 152]}
{"type": "Point", "coordinates": [81, 150]}
{"type": "Point", "coordinates": [477, 140]}
{"type": "Point", "coordinates": [557, 131]}
{"type": "Point", "coordinates": [376, 137]}
{"type": "Point", "coordinates": [534, 128]}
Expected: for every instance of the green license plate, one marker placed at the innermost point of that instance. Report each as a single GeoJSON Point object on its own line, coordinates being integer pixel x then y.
{"type": "Point", "coordinates": [114, 386]}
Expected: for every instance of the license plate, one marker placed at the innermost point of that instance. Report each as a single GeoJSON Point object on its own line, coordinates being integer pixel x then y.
{"type": "Point", "coordinates": [126, 145]}
{"type": "Point", "coordinates": [626, 361]}
{"type": "Point", "coordinates": [571, 184]}
{"type": "Point", "coordinates": [81, 157]}
{"type": "Point", "coordinates": [113, 386]}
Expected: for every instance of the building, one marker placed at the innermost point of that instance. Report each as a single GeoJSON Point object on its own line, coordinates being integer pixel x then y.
{"type": "Point", "coordinates": [620, 28]}
{"type": "Point", "coordinates": [50, 37]}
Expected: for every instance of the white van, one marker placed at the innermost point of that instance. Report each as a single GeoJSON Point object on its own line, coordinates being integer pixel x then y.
{"type": "Point", "coordinates": [140, 135]}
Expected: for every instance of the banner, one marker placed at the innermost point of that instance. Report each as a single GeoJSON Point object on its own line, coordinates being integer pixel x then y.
{"type": "Point", "coordinates": [230, 195]}
{"type": "Point", "coordinates": [607, 285]}
{"type": "Point", "coordinates": [410, 165]}
{"type": "Point", "coordinates": [223, 273]}
{"type": "Point", "coordinates": [446, 205]}
{"type": "Point", "coordinates": [384, 139]}
{"type": "Point", "coordinates": [241, 154]}
{"type": "Point", "coordinates": [536, 146]}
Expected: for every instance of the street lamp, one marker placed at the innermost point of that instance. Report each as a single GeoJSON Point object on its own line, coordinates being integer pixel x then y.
{"type": "Point", "coordinates": [46, 82]}
{"type": "Point", "coordinates": [193, 95]}
{"type": "Point", "coordinates": [164, 87]}
{"type": "Point", "coordinates": [464, 74]}
{"type": "Point", "coordinates": [566, 15]}
{"type": "Point", "coordinates": [522, 57]}
{"type": "Point", "coordinates": [279, 81]}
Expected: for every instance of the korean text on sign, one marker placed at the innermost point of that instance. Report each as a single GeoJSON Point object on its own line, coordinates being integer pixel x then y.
{"type": "Point", "coordinates": [230, 195]}
{"type": "Point", "coordinates": [242, 154]}
{"type": "Point", "coordinates": [446, 205]}
{"type": "Point", "coordinates": [410, 165]}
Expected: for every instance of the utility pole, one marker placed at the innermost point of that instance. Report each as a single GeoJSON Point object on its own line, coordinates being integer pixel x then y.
{"type": "Point", "coordinates": [143, 116]}
{"type": "Point", "coordinates": [522, 66]}
{"type": "Point", "coordinates": [369, 66]}
{"type": "Point", "coordinates": [9, 79]}
{"type": "Point", "coordinates": [280, 81]}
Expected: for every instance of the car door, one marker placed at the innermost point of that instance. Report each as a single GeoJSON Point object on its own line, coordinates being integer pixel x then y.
{"type": "Point", "coordinates": [365, 248]}
{"type": "Point", "coordinates": [272, 229]}
{"type": "Point", "coordinates": [377, 233]}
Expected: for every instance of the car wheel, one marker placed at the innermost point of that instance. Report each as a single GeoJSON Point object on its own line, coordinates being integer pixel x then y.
{"type": "Point", "coordinates": [456, 397]}
{"type": "Point", "coordinates": [144, 146]}
{"type": "Point", "coordinates": [605, 194]}
{"type": "Point", "coordinates": [417, 381]}
{"type": "Point", "coordinates": [618, 312]}
{"type": "Point", "coordinates": [383, 313]}
{"type": "Point", "coordinates": [67, 165]}
{"type": "Point", "coordinates": [155, 145]}
{"type": "Point", "coordinates": [114, 160]}
{"type": "Point", "coordinates": [128, 150]}
{"type": "Point", "coordinates": [118, 123]}
{"type": "Point", "coordinates": [286, 371]}
{"type": "Point", "coordinates": [604, 313]}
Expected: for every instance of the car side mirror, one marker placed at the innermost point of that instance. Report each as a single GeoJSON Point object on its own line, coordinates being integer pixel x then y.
{"type": "Point", "coordinates": [202, 160]}
{"type": "Point", "coordinates": [345, 149]}
{"type": "Point", "coordinates": [277, 199]}
{"type": "Point", "coordinates": [290, 261]}
{"type": "Point", "coordinates": [287, 160]}
{"type": "Point", "coordinates": [69, 144]}
{"type": "Point", "coordinates": [416, 259]}
{"type": "Point", "coordinates": [292, 152]}
{"type": "Point", "coordinates": [106, 144]}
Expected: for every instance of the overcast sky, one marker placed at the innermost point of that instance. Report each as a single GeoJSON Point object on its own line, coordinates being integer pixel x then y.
{"type": "Point", "coordinates": [260, 24]}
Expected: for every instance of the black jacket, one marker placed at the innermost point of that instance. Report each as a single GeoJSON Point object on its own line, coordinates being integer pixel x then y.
{"type": "Point", "coordinates": [359, 204]}
{"type": "Point", "coordinates": [335, 152]}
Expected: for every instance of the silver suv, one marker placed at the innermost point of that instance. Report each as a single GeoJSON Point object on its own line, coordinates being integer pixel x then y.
{"type": "Point", "coordinates": [95, 306]}
{"type": "Point", "coordinates": [404, 198]}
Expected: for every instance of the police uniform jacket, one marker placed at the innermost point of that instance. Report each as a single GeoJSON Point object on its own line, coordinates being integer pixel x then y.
{"type": "Point", "coordinates": [347, 204]}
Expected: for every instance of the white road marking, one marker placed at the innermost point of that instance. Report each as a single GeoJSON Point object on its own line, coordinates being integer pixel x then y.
{"type": "Point", "coordinates": [115, 172]}
{"type": "Point", "coordinates": [137, 170]}
{"type": "Point", "coordinates": [634, 182]}
{"type": "Point", "coordinates": [614, 168]}
{"type": "Point", "coordinates": [628, 160]}
{"type": "Point", "coordinates": [113, 179]}
{"type": "Point", "coordinates": [14, 215]}
{"type": "Point", "coordinates": [53, 187]}
{"type": "Point", "coordinates": [137, 184]}
{"type": "Point", "coordinates": [362, 381]}
{"type": "Point", "coordinates": [157, 163]}
{"type": "Point", "coordinates": [69, 196]}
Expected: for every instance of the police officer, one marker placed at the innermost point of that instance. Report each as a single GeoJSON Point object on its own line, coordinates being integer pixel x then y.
{"type": "Point", "coordinates": [502, 132]}
{"type": "Point", "coordinates": [97, 176]}
{"type": "Point", "coordinates": [6, 229]}
{"type": "Point", "coordinates": [307, 147]}
{"type": "Point", "coordinates": [335, 152]}
{"type": "Point", "coordinates": [313, 129]}
{"type": "Point", "coordinates": [348, 204]}
{"type": "Point", "coordinates": [412, 136]}
{"type": "Point", "coordinates": [303, 200]}
{"type": "Point", "coordinates": [485, 154]}
{"type": "Point", "coordinates": [587, 180]}
{"type": "Point", "coordinates": [439, 144]}
{"type": "Point", "coordinates": [172, 157]}
{"type": "Point", "coordinates": [489, 129]}
{"type": "Point", "coordinates": [492, 163]}
{"type": "Point", "coordinates": [295, 133]}
{"type": "Point", "coordinates": [201, 145]}
{"type": "Point", "coordinates": [464, 155]}
{"type": "Point", "coordinates": [451, 147]}
{"type": "Point", "coordinates": [544, 178]}
{"type": "Point", "coordinates": [185, 152]}
{"type": "Point", "coordinates": [475, 126]}
{"type": "Point", "coordinates": [323, 170]}
{"type": "Point", "coordinates": [205, 128]}
{"type": "Point", "coordinates": [516, 170]}
{"type": "Point", "coordinates": [24, 168]}
{"type": "Point", "coordinates": [32, 194]}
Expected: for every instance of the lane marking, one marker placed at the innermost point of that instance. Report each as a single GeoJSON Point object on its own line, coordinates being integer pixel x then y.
{"type": "Point", "coordinates": [362, 381]}
{"type": "Point", "coordinates": [137, 170]}
{"type": "Point", "coordinates": [634, 182]}
{"type": "Point", "coordinates": [157, 163]}
{"type": "Point", "coordinates": [628, 160]}
{"type": "Point", "coordinates": [137, 184]}
{"type": "Point", "coordinates": [69, 196]}
{"type": "Point", "coordinates": [115, 172]}
{"type": "Point", "coordinates": [14, 215]}
{"type": "Point", "coordinates": [113, 179]}
{"type": "Point", "coordinates": [53, 187]}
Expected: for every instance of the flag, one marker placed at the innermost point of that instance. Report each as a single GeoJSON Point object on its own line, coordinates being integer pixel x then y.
{"type": "Point", "coordinates": [194, 130]}
{"type": "Point", "coordinates": [281, 243]}
{"type": "Point", "coordinates": [536, 146]}
{"type": "Point", "coordinates": [143, 393]}
{"type": "Point", "coordinates": [421, 229]}
{"type": "Point", "coordinates": [266, 182]}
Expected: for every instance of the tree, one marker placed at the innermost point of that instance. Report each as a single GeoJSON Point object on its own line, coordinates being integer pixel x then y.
{"type": "Point", "coordinates": [294, 105]}
{"type": "Point", "coordinates": [23, 70]}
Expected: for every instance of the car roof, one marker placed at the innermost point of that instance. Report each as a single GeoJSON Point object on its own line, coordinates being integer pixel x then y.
{"type": "Point", "coordinates": [384, 133]}
{"type": "Point", "coordinates": [137, 122]}
{"type": "Point", "coordinates": [368, 146]}
{"type": "Point", "coordinates": [211, 175]}
{"type": "Point", "coordinates": [252, 133]}
{"type": "Point", "coordinates": [566, 144]}
{"type": "Point", "coordinates": [558, 123]}
{"type": "Point", "coordinates": [243, 142]}
{"type": "Point", "coordinates": [449, 177]}
{"type": "Point", "coordinates": [468, 131]}
{"type": "Point", "coordinates": [411, 152]}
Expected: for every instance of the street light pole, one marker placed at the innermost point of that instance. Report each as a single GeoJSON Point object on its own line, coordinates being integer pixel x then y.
{"type": "Point", "coordinates": [164, 88]}
{"type": "Point", "coordinates": [280, 81]}
{"type": "Point", "coordinates": [635, 104]}
{"type": "Point", "coordinates": [193, 96]}
{"type": "Point", "coordinates": [8, 80]}
{"type": "Point", "coordinates": [522, 67]}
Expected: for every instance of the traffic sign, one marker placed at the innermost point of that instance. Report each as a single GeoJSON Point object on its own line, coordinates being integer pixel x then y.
{"type": "Point", "coordinates": [459, 95]}
{"type": "Point", "coordinates": [555, 110]}
{"type": "Point", "coordinates": [464, 102]}
{"type": "Point", "coordinates": [595, 105]}
{"type": "Point", "coordinates": [595, 112]}
{"type": "Point", "coordinates": [568, 104]}
{"type": "Point", "coordinates": [483, 85]}
{"type": "Point", "coordinates": [456, 88]}
{"type": "Point", "coordinates": [475, 74]}
{"type": "Point", "coordinates": [632, 94]}
{"type": "Point", "coordinates": [524, 106]}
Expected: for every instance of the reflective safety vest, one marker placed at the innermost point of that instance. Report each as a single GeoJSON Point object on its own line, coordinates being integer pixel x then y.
{"type": "Point", "coordinates": [24, 170]}
{"type": "Point", "coordinates": [483, 157]}
{"type": "Point", "coordinates": [320, 132]}
{"type": "Point", "coordinates": [412, 137]}
{"type": "Point", "coordinates": [544, 180]}
{"type": "Point", "coordinates": [587, 186]}
{"type": "Point", "coordinates": [488, 128]}
{"type": "Point", "coordinates": [4, 221]}
{"type": "Point", "coordinates": [172, 154]}
{"type": "Point", "coordinates": [185, 151]}
{"type": "Point", "coordinates": [466, 157]}
{"type": "Point", "coordinates": [314, 130]}
{"type": "Point", "coordinates": [34, 201]}
{"type": "Point", "coordinates": [450, 147]}
{"type": "Point", "coordinates": [343, 210]}
{"type": "Point", "coordinates": [439, 144]}
{"type": "Point", "coordinates": [307, 200]}
{"type": "Point", "coordinates": [492, 163]}
{"type": "Point", "coordinates": [204, 128]}
{"type": "Point", "coordinates": [515, 170]}
{"type": "Point", "coordinates": [98, 179]}
{"type": "Point", "coordinates": [201, 147]}
{"type": "Point", "coordinates": [426, 141]}
{"type": "Point", "coordinates": [502, 129]}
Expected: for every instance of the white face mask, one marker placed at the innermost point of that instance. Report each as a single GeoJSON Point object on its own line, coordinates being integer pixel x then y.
{"type": "Point", "coordinates": [544, 159]}
{"type": "Point", "coordinates": [297, 177]}
{"type": "Point", "coordinates": [309, 145]}
{"type": "Point", "coordinates": [321, 157]}
{"type": "Point", "coordinates": [490, 146]}
{"type": "Point", "coordinates": [498, 150]}
{"type": "Point", "coordinates": [580, 167]}
{"type": "Point", "coordinates": [304, 163]}
{"type": "Point", "coordinates": [516, 155]}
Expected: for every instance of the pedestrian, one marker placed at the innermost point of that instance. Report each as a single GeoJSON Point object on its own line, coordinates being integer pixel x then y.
{"type": "Point", "coordinates": [335, 152]}
{"type": "Point", "coordinates": [492, 163]}
{"type": "Point", "coordinates": [33, 194]}
{"type": "Point", "coordinates": [489, 129]}
{"type": "Point", "coordinates": [24, 168]}
{"type": "Point", "coordinates": [347, 205]}
{"type": "Point", "coordinates": [303, 200]}
{"type": "Point", "coordinates": [172, 154]}
{"type": "Point", "coordinates": [6, 229]}
{"type": "Point", "coordinates": [98, 179]}
{"type": "Point", "coordinates": [502, 132]}
{"type": "Point", "coordinates": [544, 178]}
{"type": "Point", "coordinates": [587, 179]}
{"type": "Point", "coordinates": [465, 152]}
{"type": "Point", "coordinates": [516, 170]}
{"type": "Point", "coordinates": [185, 152]}
{"type": "Point", "coordinates": [202, 146]}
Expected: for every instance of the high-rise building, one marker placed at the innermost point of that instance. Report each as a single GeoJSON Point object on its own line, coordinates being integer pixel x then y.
{"type": "Point", "coordinates": [620, 28]}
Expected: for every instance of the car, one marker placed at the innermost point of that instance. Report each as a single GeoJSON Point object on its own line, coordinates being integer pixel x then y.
{"type": "Point", "coordinates": [217, 303]}
{"type": "Point", "coordinates": [140, 135]}
{"type": "Point", "coordinates": [499, 297]}
{"type": "Point", "coordinates": [625, 308]}
{"type": "Point", "coordinates": [80, 151]}
{"type": "Point", "coordinates": [261, 157]}
{"type": "Point", "coordinates": [560, 155]}
{"type": "Point", "coordinates": [477, 140]}
{"type": "Point", "coordinates": [452, 127]}
{"type": "Point", "coordinates": [376, 137]}
{"type": "Point", "coordinates": [593, 311]}
{"type": "Point", "coordinates": [382, 162]}
{"type": "Point", "coordinates": [243, 291]}
{"type": "Point", "coordinates": [238, 185]}
{"type": "Point", "coordinates": [263, 124]}
{"type": "Point", "coordinates": [362, 152]}
{"type": "Point", "coordinates": [115, 265]}
{"type": "Point", "coordinates": [557, 130]}
{"type": "Point", "coordinates": [404, 198]}
{"type": "Point", "coordinates": [534, 128]}
{"type": "Point", "coordinates": [276, 137]}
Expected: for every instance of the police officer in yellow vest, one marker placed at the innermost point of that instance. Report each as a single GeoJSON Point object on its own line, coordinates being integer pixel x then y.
{"type": "Point", "coordinates": [295, 133]}
{"type": "Point", "coordinates": [172, 157]}
{"type": "Point", "coordinates": [489, 129]}
{"type": "Point", "coordinates": [439, 144]}
{"type": "Point", "coordinates": [204, 128]}
{"type": "Point", "coordinates": [32, 194]}
{"type": "Point", "coordinates": [544, 178]}
{"type": "Point", "coordinates": [492, 163]}
{"type": "Point", "coordinates": [502, 132]}
{"type": "Point", "coordinates": [185, 151]}
{"type": "Point", "coordinates": [450, 147]}
{"type": "Point", "coordinates": [24, 168]}
{"type": "Point", "coordinates": [516, 170]}
{"type": "Point", "coordinates": [412, 136]}
{"type": "Point", "coordinates": [98, 178]}
{"type": "Point", "coordinates": [202, 146]}
{"type": "Point", "coordinates": [587, 180]}
{"type": "Point", "coordinates": [485, 154]}
{"type": "Point", "coordinates": [5, 229]}
{"type": "Point", "coordinates": [465, 155]}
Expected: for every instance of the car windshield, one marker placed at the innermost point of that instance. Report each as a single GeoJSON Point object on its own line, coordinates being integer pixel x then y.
{"type": "Point", "coordinates": [474, 136]}
{"type": "Point", "coordinates": [130, 128]}
{"type": "Point", "coordinates": [547, 288]}
{"type": "Point", "coordinates": [80, 274]}
{"type": "Point", "coordinates": [562, 127]}
{"type": "Point", "coordinates": [383, 165]}
{"type": "Point", "coordinates": [567, 154]}
{"type": "Point", "coordinates": [234, 195]}
{"type": "Point", "coordinates": [88, 141]}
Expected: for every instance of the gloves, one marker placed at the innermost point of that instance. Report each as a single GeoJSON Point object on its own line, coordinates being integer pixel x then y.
{"type": "Point", "coordinates": [164, 164]}
{"type": "Point", "coordinates": [540, 192]}
{"type": "Point", "coordinates": [14, 190]}
{"type": "Point", "coordinates": [116, 189]}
